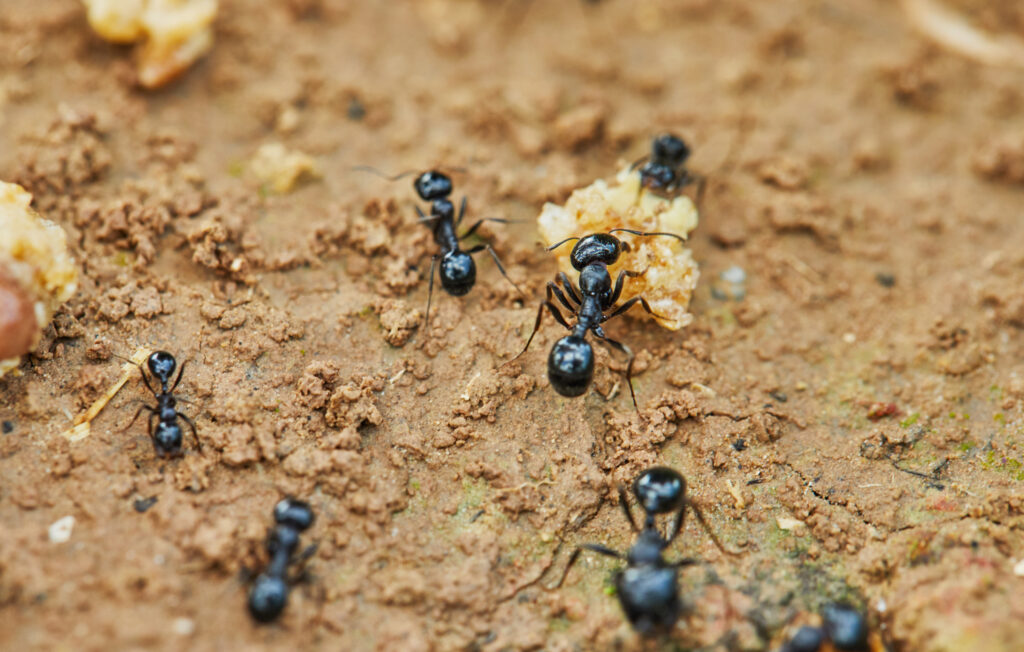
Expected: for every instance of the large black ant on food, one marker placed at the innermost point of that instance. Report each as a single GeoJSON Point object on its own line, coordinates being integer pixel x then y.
{"type": "Point", "coordinates": [458, 270]}
{"type": "Point", "coordinates": [665, 171]}
{"type": "Point", "coordinates": [167, 439]}
{"type": "Point", "coordinates": [571, 361]}
{"type": "Point", "coordinates": [269, 593]}
{"type": "Point", "coordinates": [648, 588]}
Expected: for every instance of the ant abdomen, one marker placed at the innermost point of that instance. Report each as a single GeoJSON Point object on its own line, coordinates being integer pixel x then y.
{"type": "Point", "coordinates": [458, 273]}
{"type": "Point", "coordinates": [268, 598]}
{"type": "Point", "coordinates": [571, 365]}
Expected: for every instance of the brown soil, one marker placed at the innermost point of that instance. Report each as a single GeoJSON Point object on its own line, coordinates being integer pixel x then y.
{"type": "Point", "coordinates": [868, 383]}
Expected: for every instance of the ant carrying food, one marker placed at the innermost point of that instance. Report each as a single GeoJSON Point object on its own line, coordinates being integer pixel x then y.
{"type": "Point", "coordinates": [167, 439]}
{"type": "Point", "coordinates": [571, 361]}
{"type": "Point", "coordinates": [269, 593]}
{"type": "Point", "coordinates": [665, 171]}
{"type": "Point", "coordinates": [458, 270]}
{"type": "Point", "coordinates": [648, 588]}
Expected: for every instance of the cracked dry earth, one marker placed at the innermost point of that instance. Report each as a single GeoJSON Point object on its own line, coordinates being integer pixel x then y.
{"type": "Point", "coordinates": [850, 419]}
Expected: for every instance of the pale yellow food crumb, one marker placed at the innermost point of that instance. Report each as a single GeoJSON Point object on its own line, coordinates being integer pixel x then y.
{"type": "Point", "coordinates": [34, 252]}
{"type": "Point", "coordinates": [669, 272]}
{"type": "Point", "coordinates": [81, 428]}
{"type": "Point", "coordinates": [282, 168]}
{"type": "Point", "coordinates": [173, 34]}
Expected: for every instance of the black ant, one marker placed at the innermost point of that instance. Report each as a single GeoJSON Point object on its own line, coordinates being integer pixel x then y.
{"type": "Point", "coordinates": [842, 625]}
{"type": "Point", "coordinates": [458, 270]}
{"type": "Point", "coordinates": [571, 361]}
{"type": "Point", "coordinates": [665, 169]}
{"type": "Point", "coordinates": [269, 593]}
{"type": "Point", "coordinates": [648, 588]}
{"type": "Point", "coordinates": [167, 438]}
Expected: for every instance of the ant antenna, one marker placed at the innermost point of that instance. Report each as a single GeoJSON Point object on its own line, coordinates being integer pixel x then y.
{"type": "Point", "coordinates": [373, 170]}
{"type": "Point", "coordinates": [557, 245]}
{"type": "Point", "coordinates": [645, 233]}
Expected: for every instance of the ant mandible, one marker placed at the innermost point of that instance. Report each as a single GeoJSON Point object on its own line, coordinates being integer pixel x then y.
{"type": "Point", "coordinates": [167, 439]}
{"type": "Point", "coordinates": [269, 593]}
{"type": "Point", "coordinates": [571, 361]}
{"type": "Point", "coordinates": [665, 169]}
{"type": "Point", "coordinates": [648, 588]}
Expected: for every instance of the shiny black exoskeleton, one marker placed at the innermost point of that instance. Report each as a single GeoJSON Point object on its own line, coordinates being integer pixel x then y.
{"type": "Point", "coordinates": [458, 271]}
{"type": "Point", "coordinates": [167, 438]}
{"type": "Point", "coordinates": [269, 592]}
{"type": "Point", "coordinates": [843, 626]}
{"type": "Point", "coordinates": [571, 361]}
{"type": "Point", "coordinates": [665, 170]}
{"type": "Point", "coordinates": [648, 588]}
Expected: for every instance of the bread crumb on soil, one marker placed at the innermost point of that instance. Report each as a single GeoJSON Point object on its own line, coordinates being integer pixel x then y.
{"type": "Point", "coordinates": [37, 274]}
{"type": "Point", "coordinates": [174, 34]}
{"type": "Point", "coordinates": [283, 169]}
{"type": "Point", "coordinates": [669, 273]}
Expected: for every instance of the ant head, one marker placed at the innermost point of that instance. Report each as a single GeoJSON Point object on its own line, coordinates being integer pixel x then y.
{"type": "Point", "coordinates": [845, 627]}
{"type": "Point", "coordinates": [162, 365]}
{"type": "Point", "coordinates": [670, 150]}
{"type": "Point", "coordinates": [660, 490]}
{"type": "Point", "coordinates": [595, 248]}
{"type": "Point", "coordinates": [458, 273]}
{"type": "Point", "coordinates": [294, 513]}
{"type": "Point", "coordinates": [571, 365]}
{"type": "Point", "coordinates": [433, 185]}
{"type": "Point", "coordinates": [267, 598]}
{"type": "Point", "coordinates": [167, 438]}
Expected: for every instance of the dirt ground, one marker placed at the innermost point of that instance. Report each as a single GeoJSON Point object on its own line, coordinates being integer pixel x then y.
{"type": "Point", "coordinates": [850, 418]}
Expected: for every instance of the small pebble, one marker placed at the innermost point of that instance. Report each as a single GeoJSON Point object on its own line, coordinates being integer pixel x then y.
{"type": "Point", "coordinates": [142, 504]}
{"type": "Point", "coordinates": [184, 626]}
{"type": "Point", "coordinates": [849, 338]}
{"type": "Point", "coordinates": [356, 110]}
{"type": "Point", "coordinates": [778, 396]}
{"type": "Point", "coordinates": [60, 531]}
{"type": "Point", "coordinates": [734, 274]}
{"type": "Point", "coordinates": [885, 280]}
{"type": "Point", "coordinates": [1018, 568]}
{"type": "Point", "coordinates": [7, 427]}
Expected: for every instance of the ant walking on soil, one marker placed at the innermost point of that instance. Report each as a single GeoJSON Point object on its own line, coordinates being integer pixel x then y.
{"type": "Point", "coordinates": [664, 169]}
{"type": "Point", "coordinates": [571, 361]}
{"type": "Point", "coordinates": [269, 593]}
{"type": "Point", "coordinates": [648, 588]}
{"type": "Point", "coordinates": [167, 438]}
{"type": "Point", "coordinates": [458, 270]}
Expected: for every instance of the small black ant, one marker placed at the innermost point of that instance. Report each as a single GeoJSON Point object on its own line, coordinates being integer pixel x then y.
{"type": "Point", "coordinates": [269, 593]}
{"type": "Point", "coordinates": [571, 361]}
{"type": "Point", "coordinates": [167, 439]}
{"type": "Point", "coordinates": [842, 625]}
{"type": "Point", "coordinates": [458, 270]}
{"type": "Point", "coordinates": [665, 169]}
{"type": "Point", "coordinates": [648, 588]}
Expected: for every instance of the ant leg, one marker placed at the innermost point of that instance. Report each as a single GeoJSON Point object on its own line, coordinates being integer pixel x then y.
{"type": "Point", "coordinates": [462, 211]}
{"type": "Point", "coordinates": [624, 503]}
{"type": "Point", "coordinates": [423, 218]}
{"type": "Point", "coordinates": [299, 563]}
{"type": "Point", "coordinates": [199, 444]}
{"type": "Point", "coordinates": [642, 159]}
{"type": "Point", "coordinates": [430, 292]}
{"type": "Point", "coordinates": [593, 547]}
{"type": "Point", "coordinates": [649, 233]}
{"type": "Point", "coordinates": [617, 291]}
{"type": "Point", "coordinates": [702, 183]}
{"type": "Point", "coordinates": [622, 348]}
{"type": "Point", "coordinates": [683, 563]}
{"type": "Point", "coordinates": [552, 289]}
{"type": "Point", "coordinates": [476, 226]}
{"type": "Point", "coordinates": [146, 380]}
{"type": "Point", "coordinates": [569, 289]}
{"type": "Point", "coordinates": [152, 438]}
{"type": "Point", "coordinates": [629, 304]}
{"type": "Point", "coordinates": [540, 314]}
{"type": "Point", "coordinates": [559, 244]}
{"type": "Point", "coordinates": [137, 413]}
{"type": "Point", "coordinates": [177, 380]}
{"type": "Point", "coordinates": [501, 268]}
{"type": "Point", "coordinates": [704, 524]}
